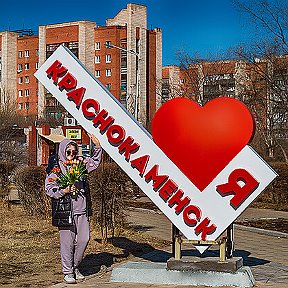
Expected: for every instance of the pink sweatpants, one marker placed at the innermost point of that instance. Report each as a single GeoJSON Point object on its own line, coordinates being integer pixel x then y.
{"type": "Point", "coordinates": [73, 242]}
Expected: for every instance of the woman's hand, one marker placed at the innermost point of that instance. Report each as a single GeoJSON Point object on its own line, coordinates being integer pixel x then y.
{"type": "Point", "coordinates": [70, 189]}
{"type": "Point", "coordinates": [67, 190]}
{"type": "Point", "coordinates": [94, 140]}
{"type": "Point", "coordinates": [73, 189]}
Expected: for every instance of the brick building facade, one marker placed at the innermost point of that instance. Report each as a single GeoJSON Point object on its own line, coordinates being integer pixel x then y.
{"type": "Point", "coordinates": [207, 80]}
{"type": "Point", "coordinates": [261, 85]}
{"type": "Point", "coordinates": [21, 55]}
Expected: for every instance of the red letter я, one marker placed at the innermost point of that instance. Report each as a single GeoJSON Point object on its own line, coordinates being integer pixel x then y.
{"type": "Point", "coordinates": [233, 188]}
{"type": "Point", "coordinates": [205, 229]}
{"type": "Point", "coordinates": [55, 71]}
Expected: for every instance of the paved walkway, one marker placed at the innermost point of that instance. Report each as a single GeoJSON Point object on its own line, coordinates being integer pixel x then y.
{"type": "Point", "coordinates": [265, 253]}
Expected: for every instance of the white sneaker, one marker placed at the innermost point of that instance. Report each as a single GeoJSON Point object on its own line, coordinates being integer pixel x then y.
{"type": "Point", "coordinates": [78, 275]}
{"type": "Point", "coordinates": [69, 279]}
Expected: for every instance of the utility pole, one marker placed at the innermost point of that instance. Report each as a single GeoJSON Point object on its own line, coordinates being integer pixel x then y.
{"type": "Point", "coordinates": [137, 75]}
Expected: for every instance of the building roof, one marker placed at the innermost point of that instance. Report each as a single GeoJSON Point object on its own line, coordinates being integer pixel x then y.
{"type": "Point", "coordinates": [55, 138]}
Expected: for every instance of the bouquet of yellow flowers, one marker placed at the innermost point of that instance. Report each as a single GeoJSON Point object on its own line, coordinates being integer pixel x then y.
{"type": "Point", "coordinates": [75, 169]}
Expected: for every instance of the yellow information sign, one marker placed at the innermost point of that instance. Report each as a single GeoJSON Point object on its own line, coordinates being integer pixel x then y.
{"type": "Point", "coordinates": [73, 134]}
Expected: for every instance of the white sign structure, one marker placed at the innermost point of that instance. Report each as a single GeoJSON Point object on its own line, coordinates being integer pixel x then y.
{"type": "Point", "coordinates": [198, 215]}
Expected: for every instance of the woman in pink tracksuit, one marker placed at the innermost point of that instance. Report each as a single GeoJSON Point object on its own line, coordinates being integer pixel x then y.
{"type": "Point", "coordinates": [70, 213]}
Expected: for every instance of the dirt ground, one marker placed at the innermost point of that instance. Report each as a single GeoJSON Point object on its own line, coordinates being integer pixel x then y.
{"type": "Point", "coordinates": [29, 249]}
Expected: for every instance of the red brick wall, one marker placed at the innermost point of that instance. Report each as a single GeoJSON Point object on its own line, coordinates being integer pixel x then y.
{"type": "Point", "coordinates": [27, 43]}
{"type": "Point", "coordinates": [32, 148]}
{"type": "Point", "coordinates": [165, 73]}
{"type": "Point", "coordinates": [113, 34]}
{"type": "Point", "coordinates": [151, 75]}
{"type": "Point", "coordinates": [219, 67]}
{"type": "Point", "coordinates": [85, 138]}
{"type": "Point", "coordinates": [62, 34]}
{"type": "Point", "coordinates": [45, 146]}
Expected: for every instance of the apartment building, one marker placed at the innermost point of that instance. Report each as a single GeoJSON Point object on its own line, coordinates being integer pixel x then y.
{"type": "Point", "coordinates": [262, 86]}
{"type": "Point", "coordinates": [204, 81]}
{"type": "Point", "coordinates": [172, 82]}
{"type": "Point", "coordinates": [124, 55]}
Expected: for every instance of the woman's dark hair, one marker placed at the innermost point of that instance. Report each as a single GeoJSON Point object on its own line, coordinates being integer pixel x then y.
{"type": "Point", "coordinates": [74, 145]}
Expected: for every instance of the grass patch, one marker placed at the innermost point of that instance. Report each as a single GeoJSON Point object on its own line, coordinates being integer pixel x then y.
{"type": "Point", "coordinates": [29, 249]}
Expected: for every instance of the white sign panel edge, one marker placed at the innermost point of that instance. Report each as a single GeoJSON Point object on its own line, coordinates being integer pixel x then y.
{"type": "Point", "coordinates": [141, 136]}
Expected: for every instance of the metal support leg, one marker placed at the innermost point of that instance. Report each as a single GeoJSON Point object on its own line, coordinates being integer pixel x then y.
{"type": "Point", "coordinates": [222, 248]}
{"type": "Point", "coordinates": [177, 255]}
{"type": "Point", "coordinates": [175, 233]}
{"type": "Point", "coordinates": [230, 241]}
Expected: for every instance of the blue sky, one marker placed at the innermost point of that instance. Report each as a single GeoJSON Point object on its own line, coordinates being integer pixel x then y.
{"type": "Point", "coordinates": [207, 27]}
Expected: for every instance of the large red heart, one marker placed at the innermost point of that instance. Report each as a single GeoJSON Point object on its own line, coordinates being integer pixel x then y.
{"type": "Point", "coordinates": [201, 141]}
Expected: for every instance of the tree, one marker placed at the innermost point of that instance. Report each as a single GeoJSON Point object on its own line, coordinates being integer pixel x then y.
{"type": "Point", "coordinates": [169, 86]}
{"type": "Point", "coordinates": [205, 79]}
{"type": "Point", "coordinates": [267, 92]}
{"type": "Point", "coordinates": [12, 140]}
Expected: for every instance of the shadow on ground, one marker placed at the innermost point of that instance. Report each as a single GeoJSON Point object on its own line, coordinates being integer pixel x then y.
{"type": "Point", "coordinates": [93, 263]}
{"type": "Point", "coordinates": [248, 260]}
{"type": "Point", "coordinates": [141, 228]}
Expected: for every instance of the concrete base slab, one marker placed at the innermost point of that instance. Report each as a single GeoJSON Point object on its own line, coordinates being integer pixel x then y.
{"type": "Point", "coordinates": [156, 273]}
{"type": "Point", "coordinates": [190, 263]}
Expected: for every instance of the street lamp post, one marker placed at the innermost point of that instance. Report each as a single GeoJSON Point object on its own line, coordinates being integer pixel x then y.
{"type": "Point", "coordinates": [137, 75]}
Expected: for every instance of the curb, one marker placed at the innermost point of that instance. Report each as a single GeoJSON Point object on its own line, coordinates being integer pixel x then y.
{"type": "Point", "coordinates": [261, 231]}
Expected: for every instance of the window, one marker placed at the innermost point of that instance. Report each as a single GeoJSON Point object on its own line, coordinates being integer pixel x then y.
{"type": "Point", "coordinates": [108, 72]}
{"type": "Point", "coordinates": [73, 45]}
{"type": "Point", "coordinates": [97, 73]}
{"type": "Point", "coordinates": [27, 79]}
{"type": "Point", "coordinates": [20, 54]}
{"type": "Point", "coordinates": [108, 44]}
{"type": "Point", "coordinates": [26, 66]}
{"type": "Point", "coordinates": [27, 92]}
{"type": "Point", "coordinates": [108, 86]}
{"type": "Point", "coordinates": [37, 93]}
{"type": "Point", "coordinates": [20, 93]}
{"type": "Point", "coordinates": [37, 52]}
{"type": "Point", "coordinates": [27, 106]}
{"type": "Point", "coordinates": [20, 80]}
{"type": "Point", "coordinates": [26, 53]}
{"type": "Point", "coordinates": [20, 67]}
{"type": "Point", "coordinates": [20, 106]}
{"type": "Point", "coordinates": [97, 46]}
{"type": "Point", "coordinates": [97, 59]}
{"type": "Point", "coordinates": [108, 58]}
{"type": "Point", "coordinates": [37, 65]}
